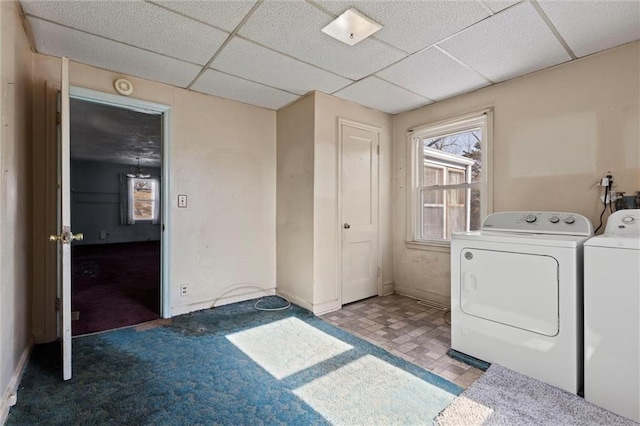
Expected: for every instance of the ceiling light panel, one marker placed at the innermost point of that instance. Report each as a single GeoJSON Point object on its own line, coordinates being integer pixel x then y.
{"type": "Point", "coordinates": [381, 95]}
{"type": "Point", "coordinates": [593, 26]}
{"type": "Point", "coordinates": [136, 23]}
{"type": "Point", "coordinates": [229, 87]}
{"type": "Point", "coordinates": [248, 60]}
{"type": "Point", "coordinates": [509, 44]}
{"type": "Point", "coordinates": [222, 14]}
{"type": "Point", "coordinates": [55, 40]}
{"type": "Point", "coordinates": [294, 28]}
{"type": "Point", "coordinates": [414, 25]}
{"type": "Point", "coordinates": [434, 75]}
{"type": "Point", "coordinates": [351, 27]}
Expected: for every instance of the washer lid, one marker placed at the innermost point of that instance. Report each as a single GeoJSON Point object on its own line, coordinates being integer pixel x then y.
{"type": "Point", "coordinates": [629, 242]}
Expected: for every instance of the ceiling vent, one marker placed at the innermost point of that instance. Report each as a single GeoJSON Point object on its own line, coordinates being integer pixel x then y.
{"type": "Point", "coordinates": [351, 27]}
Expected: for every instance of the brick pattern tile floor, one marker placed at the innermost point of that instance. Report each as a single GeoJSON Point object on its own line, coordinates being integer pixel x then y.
{"type": "Point", "coordinates": [401, 325]}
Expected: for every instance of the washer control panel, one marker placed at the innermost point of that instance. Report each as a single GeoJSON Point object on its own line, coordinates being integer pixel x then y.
{"type": "Point", "coordinates": [624, 222]}
{"type": "Point", "coordinates": [539, 223]}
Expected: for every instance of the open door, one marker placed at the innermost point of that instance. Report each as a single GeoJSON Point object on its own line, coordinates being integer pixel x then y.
{"type": "Point", "coordinates": [64, 236]}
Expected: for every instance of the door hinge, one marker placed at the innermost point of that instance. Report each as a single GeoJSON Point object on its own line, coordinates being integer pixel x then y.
{"type": "Point", "coordinates": [378, 149]}
{"type": "Point", "coordinates": [57, 303]}
{"type": "Point", "coordinates": [58, 118]}
{"type": "Point", "coordinates": [378, 272]}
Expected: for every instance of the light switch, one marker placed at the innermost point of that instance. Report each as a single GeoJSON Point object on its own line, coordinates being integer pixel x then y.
{"type": "Point", "coordinates": [182, 201]}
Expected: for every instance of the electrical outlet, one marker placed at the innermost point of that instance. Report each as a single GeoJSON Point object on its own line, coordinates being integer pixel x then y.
{"type": "Point", "coordinates": [184, 290]}
{"type": "Point", "coordinates": [607, 179]}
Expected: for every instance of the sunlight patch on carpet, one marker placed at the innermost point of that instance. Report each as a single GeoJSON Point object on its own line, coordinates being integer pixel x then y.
{"type": "Point", "coordinates": [466, 411]}
{"type": "Point", "coordinates": [372, 391]}
{"type": "Point", "coordinates": [287, 346]}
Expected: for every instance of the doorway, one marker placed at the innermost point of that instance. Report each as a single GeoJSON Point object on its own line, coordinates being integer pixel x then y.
{"type": "Point", "coordinates": [117, 201]}
{"type": "Point", "coordinates": [358, 193]}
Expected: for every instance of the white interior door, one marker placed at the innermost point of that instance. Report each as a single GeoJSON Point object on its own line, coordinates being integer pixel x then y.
{"type": "Point", "coordinates": [359, 212]}
{"type": "Point", "coordinates": [64, 236]}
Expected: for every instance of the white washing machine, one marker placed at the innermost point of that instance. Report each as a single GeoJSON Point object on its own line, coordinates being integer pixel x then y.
{"type": "Point", "coordinates": [516, 294]}
{"type": "Point", "coordinates": [612, 316]}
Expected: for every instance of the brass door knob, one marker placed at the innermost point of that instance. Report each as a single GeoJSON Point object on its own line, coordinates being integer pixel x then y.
{"type": "Point", "coordinates": [67, 237]}
{"type": "Point", "coordinates": [346, 226]}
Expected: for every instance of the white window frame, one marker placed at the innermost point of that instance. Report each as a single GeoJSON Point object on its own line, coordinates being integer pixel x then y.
{"type": "Point", "coordinates": [481, 119]}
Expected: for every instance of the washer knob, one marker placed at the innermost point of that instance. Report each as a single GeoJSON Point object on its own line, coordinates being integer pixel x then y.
{"type": "Point", "coordinates": [628, 220]}
{"type": "Point", "coordinates": [530, 218]}
{"type": "Point", "coordinates": [569, 220]}
{"type": "Point", "coordinates": [554, 219]}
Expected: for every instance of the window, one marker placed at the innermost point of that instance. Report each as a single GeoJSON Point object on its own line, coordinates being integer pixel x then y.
{"type": "Point", "coordinates": [449, 178]}
{"type": "Point", "coordinates": [143, 197]}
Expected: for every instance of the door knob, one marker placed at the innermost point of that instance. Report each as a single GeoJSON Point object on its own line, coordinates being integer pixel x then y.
{"type": "Point", "coordinates": [346, 226]}
{"type": "Point", "coordinates": [66, 237]}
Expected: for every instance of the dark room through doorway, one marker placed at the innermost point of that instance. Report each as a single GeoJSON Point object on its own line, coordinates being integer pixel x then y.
{"type": "Point", "coordinates": [116, 164]}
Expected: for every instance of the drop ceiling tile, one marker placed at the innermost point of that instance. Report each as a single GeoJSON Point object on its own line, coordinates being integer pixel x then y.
{"type": "Point", "coordinates": [509, 44]}
{"type": "Point", "coordinates": [434, 75]}
{"type": "Point", "coordinates": [136, 23]}
{"type": "Point", "coordinates": [229, 87]}
{"type": "Point", "coordinates": [248, 60]}
{"type": "Point", "coordinates": [294, 28]}
{"type": "Point", "coordinates": [498, 5]}
{"type": "Point", "coordinates": [381, 95]}
{"type": "Point", "coordinates": [52, 39]}
{"type": "Point", "coordinates": [592, 26]}
{"type": "Point", "coordinates": [413, 25]}
{"type": "Point", "coordinates": [222, 14]}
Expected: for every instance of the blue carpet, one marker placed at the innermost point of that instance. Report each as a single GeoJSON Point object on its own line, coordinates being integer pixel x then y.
{"type": "Point", "coordinates": [189, 372]}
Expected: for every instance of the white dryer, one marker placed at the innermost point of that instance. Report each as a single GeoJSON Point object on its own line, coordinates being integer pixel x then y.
{"type": "Point", "coordinates": [612, 316]}
{"type": "Point", "coordinates": [516, 294]}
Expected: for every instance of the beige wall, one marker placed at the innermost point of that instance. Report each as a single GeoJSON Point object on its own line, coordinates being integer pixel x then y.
{"type": "Point", "coordinates": [15, 205]}
{"type": "Point", "coordinates": [308, 228]}
{"type": "Point", "coordinates": [556, 132]}
{"type": "Point", "coordinates": [222, 155]}
{"type": "Point", "coordinates": [294, 229]}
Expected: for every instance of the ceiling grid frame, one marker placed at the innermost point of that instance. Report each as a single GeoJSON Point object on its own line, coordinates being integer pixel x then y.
{"type": "Point", "coordinates": [219, 21]}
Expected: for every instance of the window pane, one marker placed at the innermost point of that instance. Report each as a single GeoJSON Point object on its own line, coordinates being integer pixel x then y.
{"type": "Point", "coordinates": [144, 199]}
{"type": "Point", "coordinates": [467, 145]}
{"type": "Point", "coordinates": [432, 215]}
{"type": "Point", "coordinates": [439, 221]}
{"type": "Point", "coordinates": [142, 210]}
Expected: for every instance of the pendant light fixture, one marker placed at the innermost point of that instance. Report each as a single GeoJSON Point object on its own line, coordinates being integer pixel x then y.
{"type": "Point", "coordinates": [138, 171]}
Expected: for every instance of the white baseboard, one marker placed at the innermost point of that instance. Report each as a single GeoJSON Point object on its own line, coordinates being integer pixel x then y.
{"type": "Point", "coordinates": [208, 304]}
{"type": "Point", "coordinates": [294, 299]}
{"type": "Point", "coordinates": [423, 295]}
{"type": "Point", "coordinates": [326, 307]}
{"type": "Point", "coordinates": [9, 398]}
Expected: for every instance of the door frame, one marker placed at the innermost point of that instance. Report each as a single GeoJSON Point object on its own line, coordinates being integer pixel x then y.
{"type": "Point", "coordinates": [342, 122]}
{"type": "Point", "coordinates": [164, 110]}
